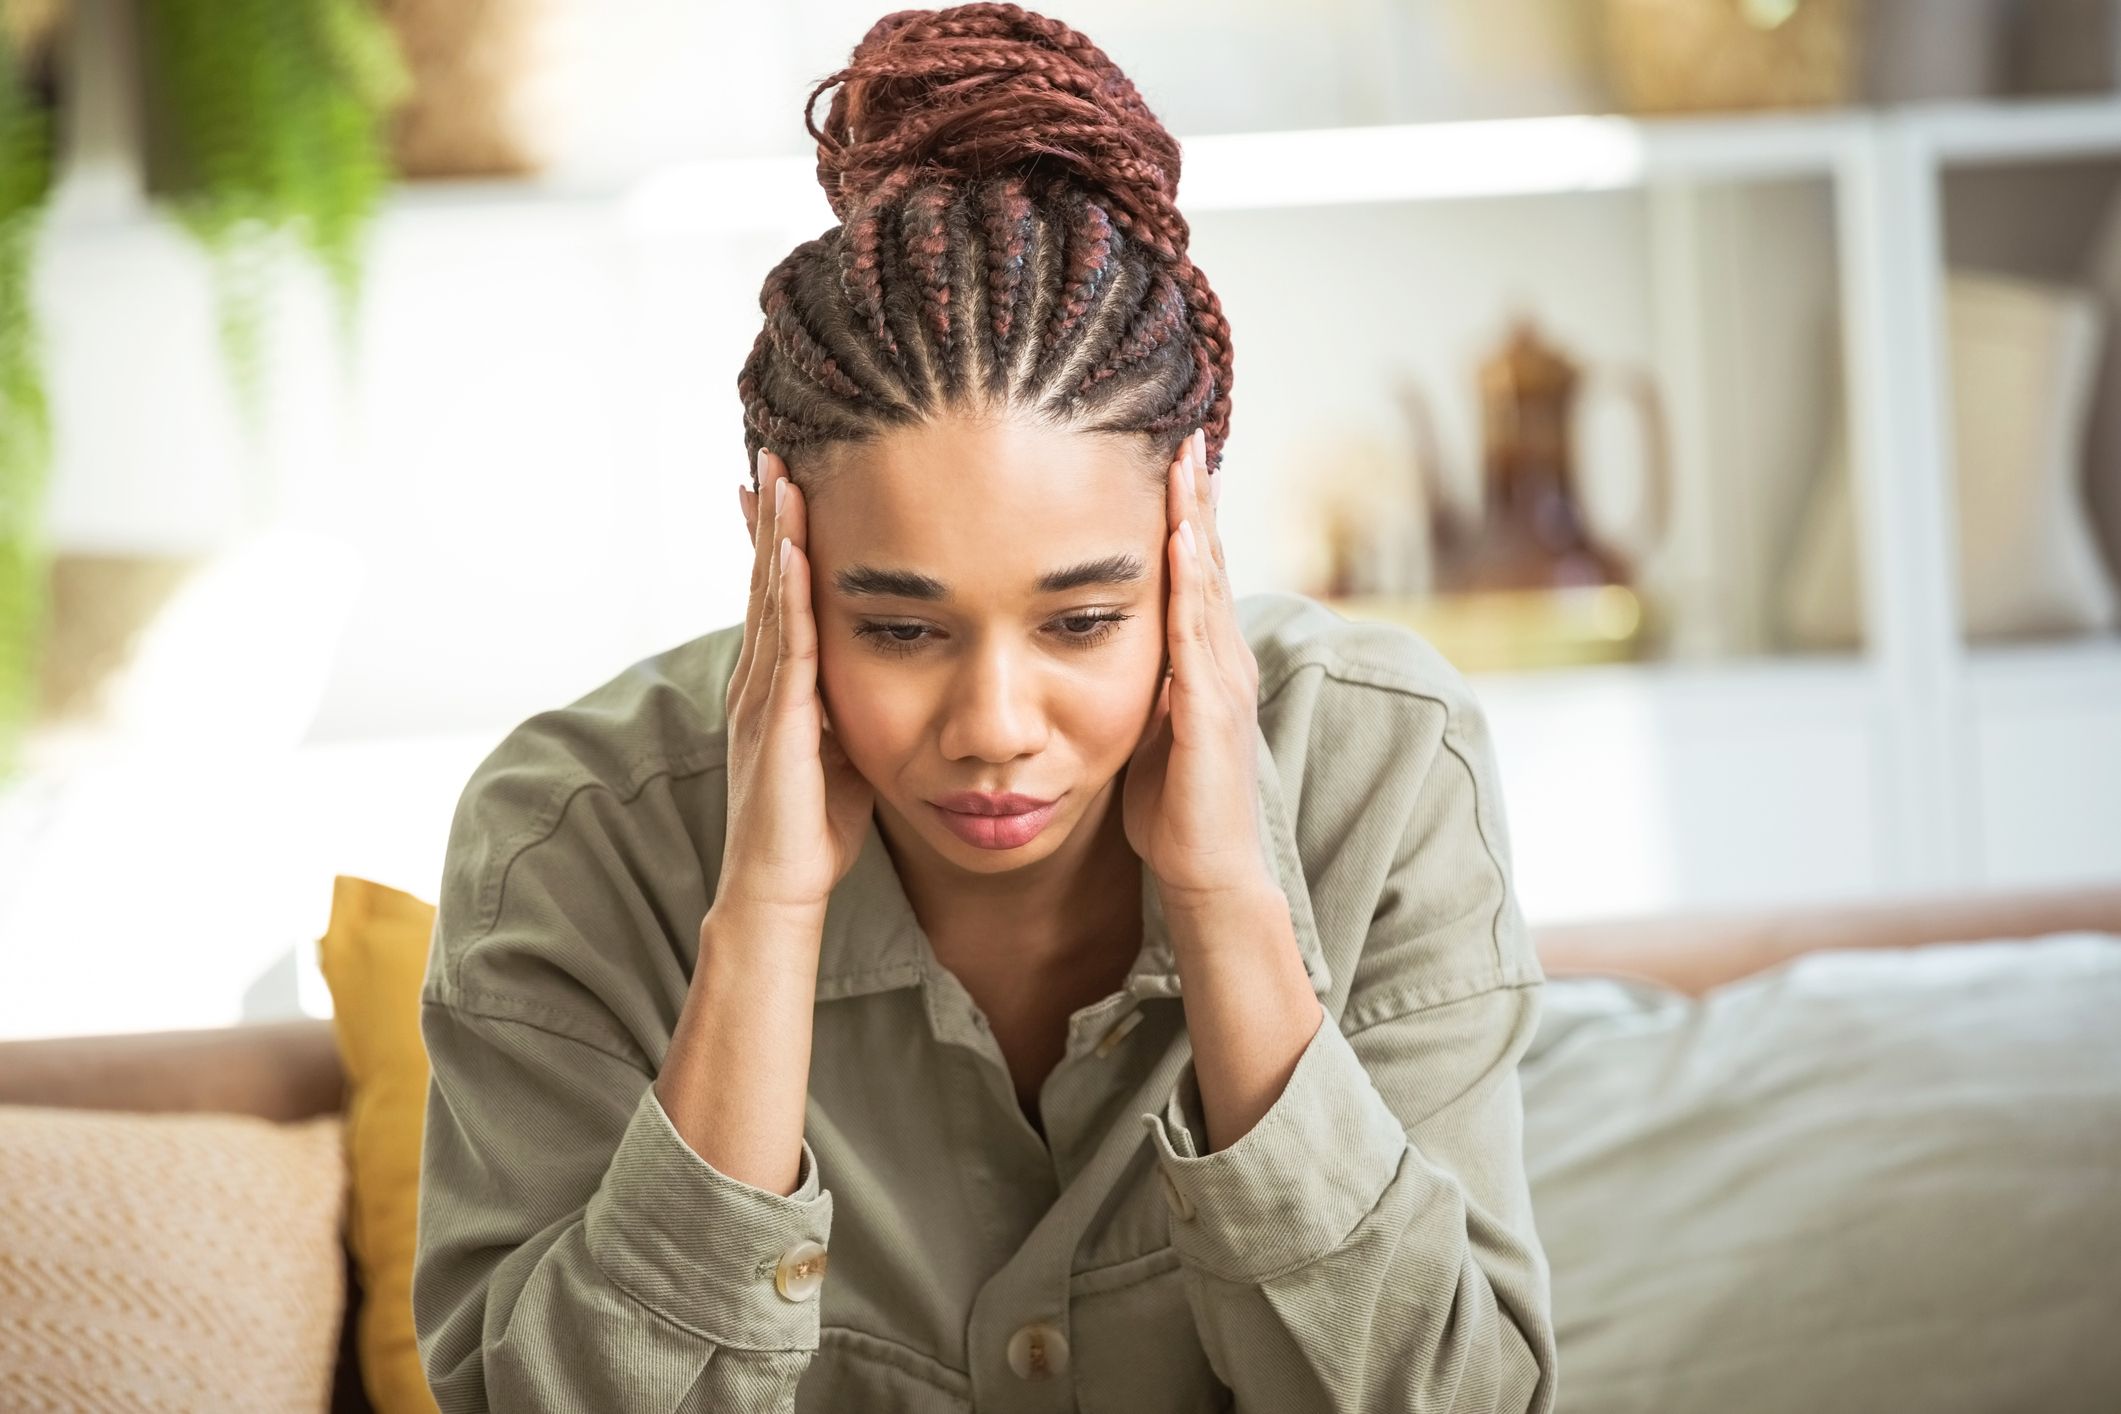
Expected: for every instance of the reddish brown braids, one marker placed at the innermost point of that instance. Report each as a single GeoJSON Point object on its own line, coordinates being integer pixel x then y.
{"type": "Point", "coordinates": [1008, 238]}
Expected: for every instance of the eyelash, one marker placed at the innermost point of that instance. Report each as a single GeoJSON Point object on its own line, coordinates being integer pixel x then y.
{"type": "Point", "coordinates": [880, 632]}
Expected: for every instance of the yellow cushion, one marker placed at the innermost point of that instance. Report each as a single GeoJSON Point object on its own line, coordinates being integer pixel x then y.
{"type": "Point", "coordinates": [374, 957]}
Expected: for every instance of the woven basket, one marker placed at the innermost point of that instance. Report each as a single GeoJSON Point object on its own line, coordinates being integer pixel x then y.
{"type": "Point", "coordinates": [31, 24]}
{"type": "Point", "coordinates": [1684, 56]}
{"type": "Point", "coordinates": [483, 75]}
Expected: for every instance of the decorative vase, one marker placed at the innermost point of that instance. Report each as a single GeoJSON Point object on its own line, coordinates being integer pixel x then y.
{"type": "Point", "coordinates": [1678, 56]}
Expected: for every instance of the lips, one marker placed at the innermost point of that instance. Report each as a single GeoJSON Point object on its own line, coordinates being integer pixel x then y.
{"type": "Point", "coordinates": [1006, 821]}
{"type": "Point", "coordinates": [972, 802]}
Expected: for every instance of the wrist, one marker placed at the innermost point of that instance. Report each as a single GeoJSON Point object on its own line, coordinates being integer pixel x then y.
{"type": "Point", "coordinates": [1243, 899]}
{"type": "Point", "coordinates": [760, 939]}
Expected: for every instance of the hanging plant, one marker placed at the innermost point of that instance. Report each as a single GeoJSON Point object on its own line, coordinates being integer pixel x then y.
{"type": "Point", "coordinates": [269, 124]}
{"type": "Point", "coordinates": [26, 100]}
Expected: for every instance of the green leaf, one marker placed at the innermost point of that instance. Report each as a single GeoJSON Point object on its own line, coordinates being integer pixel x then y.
{"type": "Point", "coordinates": [277, 116]}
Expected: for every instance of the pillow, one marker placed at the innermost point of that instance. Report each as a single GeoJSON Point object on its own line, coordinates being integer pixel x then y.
{"type": "Point", "coordinates": [1865, 1179]}
{"type": "Point", "coordinates": [2022, 359]}
{"type": "Point", "coordinates": [374, 958]}
{"type": "Point", "coordinates": [1572, 1003]}
{"type": "Point", "coordinates": [169, 1261]}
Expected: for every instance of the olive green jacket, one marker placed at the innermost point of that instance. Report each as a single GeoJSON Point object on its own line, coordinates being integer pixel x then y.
{"type": "Point", "coordinates": [1367, 1246]}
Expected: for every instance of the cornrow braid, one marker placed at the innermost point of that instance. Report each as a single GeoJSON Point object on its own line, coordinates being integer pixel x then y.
{"type": "Point", "coordinates": [1008, 233]}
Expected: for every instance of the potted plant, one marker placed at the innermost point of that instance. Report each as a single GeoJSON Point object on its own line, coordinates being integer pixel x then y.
{"type": "Point", "coordinates": [269, 125]}
{"type": "Point", "coordinates": [27, 88]}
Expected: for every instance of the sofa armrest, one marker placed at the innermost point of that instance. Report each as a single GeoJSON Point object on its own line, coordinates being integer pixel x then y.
{"type": "Point", "coordinates": [1696, 951]}
{"type": "Point", "coordinates": [281, 1070]}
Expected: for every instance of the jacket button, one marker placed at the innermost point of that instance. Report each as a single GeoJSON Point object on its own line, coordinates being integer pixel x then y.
{"type": "Point", "coordinates": [1038, 1351]}
{"type": "Point", "coordinates": [801, 1271]}
{"type": "Point", "coordinates": [1181, 1206]}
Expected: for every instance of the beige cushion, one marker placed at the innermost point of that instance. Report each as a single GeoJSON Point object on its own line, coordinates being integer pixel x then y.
{"type": "Point", "coordinates": [2022, 359]}
{"type": "Point", "coordinates": [180, 1261]}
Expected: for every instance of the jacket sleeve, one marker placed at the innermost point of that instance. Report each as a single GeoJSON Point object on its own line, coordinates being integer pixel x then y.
{"type": "Point", "coordinates": [575, 1253]}
{"type": "Point", "coordinates": [1368, 1246]}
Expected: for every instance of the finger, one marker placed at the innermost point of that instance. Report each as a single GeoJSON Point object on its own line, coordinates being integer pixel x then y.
{"type": "Point", "coordinates": [1204, 512]}
{"type": "Point", "coordinates": [800, 633]}
{"type": "Point", "coordinates": [1192, 492]}
{"type": "Point", "coordinates": [762, 518]}
{"type": "Point", "coordinates": [766, 641]}
{"type": "Point", "coordinates": [756, 582]}
{"type": "Point", "coordinates": [1185, 498]}
{"type": "Point", "coordinates": [792, 519]}
{"type": "Point", "coordinates": [747, 503]}
{"type": "Point", "coordinates": [795, 666]}
{"type": "Point", "coordinates": [1225, 632]}
{"type": "Point", "coordinates": [771, 471]}
{"type": "Point", "coordinates": [1154, 742]}
{"type": "Point", "coordinates": [1182, 487]}
{"type": "Point", "coordinates": [1195, 675]}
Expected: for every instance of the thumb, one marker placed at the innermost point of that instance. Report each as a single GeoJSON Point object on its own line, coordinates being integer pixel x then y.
{"type": "Point", "coordinates": [1159, 714]}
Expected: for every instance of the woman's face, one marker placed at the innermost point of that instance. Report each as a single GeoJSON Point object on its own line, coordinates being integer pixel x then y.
{"type": "Point", "coordinates": [990, 610]}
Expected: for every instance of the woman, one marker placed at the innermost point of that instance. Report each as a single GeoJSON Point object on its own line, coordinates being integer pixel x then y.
{"type": "Point", "coordinates": [1006, 971]}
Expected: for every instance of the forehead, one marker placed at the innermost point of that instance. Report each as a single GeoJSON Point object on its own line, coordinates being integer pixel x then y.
{"type": "Point", "coordinates": [987, 502]}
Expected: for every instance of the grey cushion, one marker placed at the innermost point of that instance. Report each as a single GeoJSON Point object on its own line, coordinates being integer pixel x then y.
{"type": "Point", "coordinates": [1867, 1180]}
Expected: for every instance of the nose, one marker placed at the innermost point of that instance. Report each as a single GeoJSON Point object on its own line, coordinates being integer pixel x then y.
{"type": "Point", "coordinates": [994, 712]}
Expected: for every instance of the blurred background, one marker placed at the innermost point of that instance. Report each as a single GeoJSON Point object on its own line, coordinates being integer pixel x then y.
{"type": "Point", "coordinates": [1730, 387]}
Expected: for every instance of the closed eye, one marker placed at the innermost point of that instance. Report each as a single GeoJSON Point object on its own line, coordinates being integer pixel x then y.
{"type": "Point", "coordinates": [1074, 630]}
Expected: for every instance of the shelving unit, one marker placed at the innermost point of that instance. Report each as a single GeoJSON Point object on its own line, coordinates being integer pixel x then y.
{"type": "Point", "coordinates": [1923, 763]}
{"type": "Point", "coordinates": [1900, 768]}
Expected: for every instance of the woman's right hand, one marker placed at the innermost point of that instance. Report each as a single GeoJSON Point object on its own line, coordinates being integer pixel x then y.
{"type": "Point", "coordinates": [798, 810]}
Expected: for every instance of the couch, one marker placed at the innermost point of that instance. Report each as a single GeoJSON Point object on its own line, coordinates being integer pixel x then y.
{"type": "Point", "coordinates": [290, 1070]}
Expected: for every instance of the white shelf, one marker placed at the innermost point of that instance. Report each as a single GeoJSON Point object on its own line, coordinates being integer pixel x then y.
{"type": "Point", "coordinates": [1507, 157]}
{"type": "Point", "coordinates": [2045, 738]}
{"type": "Point", "coordinates": [1411, 162]}
{"type": "Point", "coordinates": [2084, 670]}
{"type": "Point", "coordinates": [2018, 132]}
{"type": "Point", "coordinates": [1309, 167]}
{"type": "Point", "coordinates": [1734, 678]}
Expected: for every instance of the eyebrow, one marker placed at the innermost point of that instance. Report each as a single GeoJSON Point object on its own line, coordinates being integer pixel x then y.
{"type": "Point", "coordinates": [868, 581]}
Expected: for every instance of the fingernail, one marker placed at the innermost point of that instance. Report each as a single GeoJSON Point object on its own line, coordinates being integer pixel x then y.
{"type": "Point", "coordinates": [780, 495]}
{"type": "Point", "coordinates": [1185, 477]}
{"type": "Point", "coordinates": [786, 545]}
{"type": "Point", "coordinates": [758, 468]}
{"type": "Point", "coordinates": [1185, 533]}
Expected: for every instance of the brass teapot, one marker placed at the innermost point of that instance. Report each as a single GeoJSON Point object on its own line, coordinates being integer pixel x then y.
{"type": "Point", "coordinates": [1532, 531]}
{"type": "Point", "coordinates": [1521, 581]}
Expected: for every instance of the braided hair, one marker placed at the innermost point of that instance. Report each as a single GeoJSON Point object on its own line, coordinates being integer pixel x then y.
{"type": "Point", "coordinates": [1008, 241]}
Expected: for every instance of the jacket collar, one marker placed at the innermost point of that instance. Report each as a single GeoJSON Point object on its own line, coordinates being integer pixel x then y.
{"type": "Point", "coordinates": [872, 941]}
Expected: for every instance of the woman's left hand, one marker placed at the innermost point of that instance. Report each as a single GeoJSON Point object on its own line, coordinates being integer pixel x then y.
{"type": "Point", "coordinates": [1190, 801]}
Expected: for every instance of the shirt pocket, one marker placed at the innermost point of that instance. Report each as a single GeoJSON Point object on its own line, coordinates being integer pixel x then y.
{"type": "Point", "coordinates": [1134, 1341]}
{"type": "Point", "coordinates": [852, 1370]}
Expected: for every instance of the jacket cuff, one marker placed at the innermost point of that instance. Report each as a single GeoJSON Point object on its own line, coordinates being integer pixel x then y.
{"type": "Point", "coordinates": [700, 1247]}
{"type": "Point", "coordinates": [1293, 1187]}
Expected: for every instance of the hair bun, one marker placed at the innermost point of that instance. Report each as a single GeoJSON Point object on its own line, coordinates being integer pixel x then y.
{"type": "Point", "coordinates": [975, 90]}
